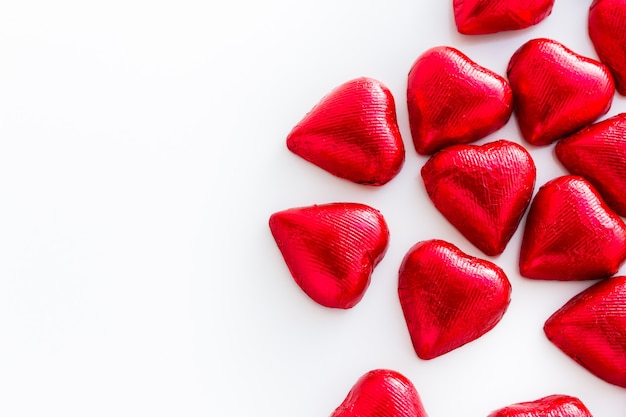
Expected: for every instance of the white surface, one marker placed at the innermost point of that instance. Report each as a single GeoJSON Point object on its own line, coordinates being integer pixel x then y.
{"type": "Point", "coordinates": [142, 150]}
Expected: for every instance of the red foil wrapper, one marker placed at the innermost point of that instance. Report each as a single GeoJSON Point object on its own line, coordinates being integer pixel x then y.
{"type": "Point", "coordinates": [453, 100]}
{"type": "Point", "coordinates": [556, 91]}
{"type": "Point", "coordinates": [598, 153]}
{"type": "Point", "coordinates": [571, 233]}
{"type": "Point", "coordinates": [381, 393]}
{"type": "Point", "coordinates": [482, 190]}
{"type": "Point", "coordinates": [554, 405]}
{"type": "Point", "coordinates": [352, 133]}
{"type": "Point", "coordinates": [448, 297]}
{"type": "Point", "coordinates": [591, 329]}
{"type": "Point", "coordinates": [332, 249]}
{"type": "Point", "coordinates": [477, 17]}
{"type": "Point", "coordinates": [607, 30]}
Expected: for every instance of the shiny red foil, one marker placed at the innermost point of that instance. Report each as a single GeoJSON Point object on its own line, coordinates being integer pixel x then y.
{"type": "Point", "coordinates": [352, 133]}
{"type": "Point", "coordinates": [591, 329]}
{"type": "Point", "coordinates": [453, 100]}
{"type": "Point", "coordinates": [556, 91]}
{"type": "Point", "coordinates": [554, 405]}
{"type": "Point", "coordinates": [448, 297]}
{"type": "Point", "coordinates": [332, 249]}
{"type": "Point", "coordinates": [607, 30]}
{"type": "Point", "coordinates": [482, 190]}
{"type": "Point", "coordinates": [477, 17]}
{"type": "Point", "coordinates": [571, 233]}
{"type": "Point", "coordinates": [598, 153]}
{"type": "Point", "coordinates": [381, 393]}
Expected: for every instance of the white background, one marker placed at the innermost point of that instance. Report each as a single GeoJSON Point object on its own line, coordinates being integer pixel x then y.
{"type": "Point", "coordinates": [142, 151]}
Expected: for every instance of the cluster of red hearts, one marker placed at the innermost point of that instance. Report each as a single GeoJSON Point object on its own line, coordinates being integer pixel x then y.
{"type": "Point", "coordinates": [573, 230]}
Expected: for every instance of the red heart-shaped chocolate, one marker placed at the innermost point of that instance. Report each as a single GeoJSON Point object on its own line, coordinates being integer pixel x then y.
{"type": "Point", "coordinates": [591, 329]}
{"type": "Point", "coordinates": [571, 233]}
{"type": "Point", "coordinates": [352, 133]}
{"type": "Point", "coordinates": [476, 17]}
{"type": "Point", "coordinates": [607, 30]}
{"type": "Point", "coordinates": [381, 393]}
{"type": "Point", "coordinates": [453, 100]}
{"type": "Point", "coordinates": [556, 90]}
{"type": "Point", "coordinates": [332, 249]}
{"type": "Point", "coordinates": [482, 190]}
{"type": "Point", "coordinates": [552, 406]}
{"type": "Point", "coordinates": [598, 153]}
{"type": "Point", "coordinates": [448, 297]}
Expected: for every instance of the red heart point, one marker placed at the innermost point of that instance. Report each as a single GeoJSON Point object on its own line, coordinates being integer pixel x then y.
{"type": "Point", "coordinates": [381, 393]}
{"type": "Point", "coordinates": [556, 91]}
{"type": "Point", "coordinates": [482, 190]}
{"type": "Point", "coordinates": [331, 250]}
{"type": "Point", "coordinates": [607, 30]}
{"type": "Point", "coordinates": [453, 100]}
{"type": "Point", "coordinates": [448, 297]}
{"type": "Point", "coordinates": [598, 153]}
{"type": "Point", "coordinates": [571, 233]}
{"type": "Point", "coordinates": [554, 405]}
{"type": "Point", "coordinates": [477, 17]}
{"type": "Point", "coordinates": [591, 329]}
{"type": "Point", "coordinates": [352, 133]}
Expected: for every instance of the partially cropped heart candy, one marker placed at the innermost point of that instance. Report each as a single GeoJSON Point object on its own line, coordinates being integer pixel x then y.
{"type": "Point", "coordinates": [598, 153]}
{"type": "Point", "coordinates": [552, 406]}
{"type": "Point", "coordinates": [591, 329]}
{"type": "Point", "coordinates": [352, 133]}
{"type": "Point", "coordinates": [571, 233]}
{"type": "Point", "coordinates": [556, 91]}
{"type": "Point", "coordinates": [453, 100]}
{"type": "Point", "coordinates": [607, 30]}
{"type": "Point", "coordinates": [332, 249]}
{"type": "Point", "coordinates": [448, 297]}
{"type": "Point", "coordinates": [482, 190]}
{"type": "Point", "coordinates": [476, 17]}
{"type": "Point", "coordinates": [381, 393]}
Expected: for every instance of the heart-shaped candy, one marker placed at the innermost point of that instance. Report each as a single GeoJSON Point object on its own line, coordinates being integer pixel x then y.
{"type": "Point", "coordinates": [332, 249]}
{"type": "Point", "coordinates": [352, 133]}
{"type": "Point", "coordinates": [556, 90]}
{"type": "Point", "coordinates": [482, 190]}
{"type": "Point", "coordinates": [571, 233]}
{"type": "Point", "coordinates": [591, 329]}
{"type": "Point", "coordinates": [598, 153]}
{"type": "Point", "coordinates": [607, 30]}
{"type": "Point", "coordinates": [453, 100]}
{"type": "Point", "coordinates": [381, 393]}
{"type": "Point", "coordinates": [448, 297]}
{"type": "Point", "coordinates": [476, 17]}
{"type": "Point", "coordinates": [552, 406]}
